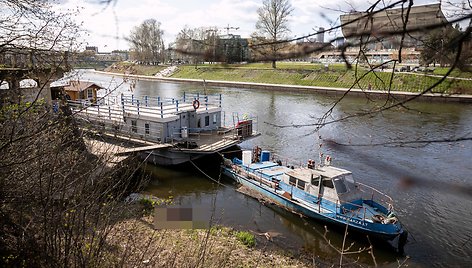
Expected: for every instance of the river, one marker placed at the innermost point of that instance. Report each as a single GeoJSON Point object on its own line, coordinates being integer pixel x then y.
{"type": "Point", "coordinates": [438, 219]}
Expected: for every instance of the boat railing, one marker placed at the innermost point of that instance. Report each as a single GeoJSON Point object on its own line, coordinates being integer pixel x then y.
{"type": "Point", "coordinates": [342, 209]}
{"type": "Point", "coordinates": [370, 193]}
{"type": "Point", "coordinates": [203, 100]}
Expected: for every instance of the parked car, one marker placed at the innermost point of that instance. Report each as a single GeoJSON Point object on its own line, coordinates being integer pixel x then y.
{"type": "Point", "coordinates": [405, 68]}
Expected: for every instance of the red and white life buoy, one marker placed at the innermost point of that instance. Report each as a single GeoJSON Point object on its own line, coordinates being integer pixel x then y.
{"type": "Point", "coordinates": [196, 104]}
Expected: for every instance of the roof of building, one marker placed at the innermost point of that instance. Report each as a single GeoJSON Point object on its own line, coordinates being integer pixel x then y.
{"type": "Point", "coordinates": [80, 86]}
{"type": "Point", "coordinates": [392, 20]}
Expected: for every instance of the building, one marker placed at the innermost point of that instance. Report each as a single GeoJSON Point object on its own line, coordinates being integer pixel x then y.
{"type": "Point", "coordinates": [79, 91]}
{"type": "Point", "coordinates": [232, 48]}
{"type": "Point", "coordinates": [378, 29]}
{"type": "Point", "coordinates": [92, 49]}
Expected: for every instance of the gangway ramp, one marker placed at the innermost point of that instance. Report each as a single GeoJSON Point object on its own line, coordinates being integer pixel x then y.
{"type": "Point", "coordinates": [143, 148]}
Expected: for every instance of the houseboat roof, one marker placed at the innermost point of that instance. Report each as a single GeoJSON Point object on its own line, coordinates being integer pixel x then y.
{"type": "Point", "coordinates": [325, 171]}
{"type": "Point", "coordinates": [80, 86]}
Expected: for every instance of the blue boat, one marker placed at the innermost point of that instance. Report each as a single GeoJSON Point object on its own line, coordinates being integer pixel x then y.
{"type": "Point", "coordinates": [321, 192]}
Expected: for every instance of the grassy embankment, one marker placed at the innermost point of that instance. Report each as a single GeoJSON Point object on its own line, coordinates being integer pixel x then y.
{"type": "Point", "coordinates": [337, 75]}
{"type": "Point", "coordinates": [307, 74]}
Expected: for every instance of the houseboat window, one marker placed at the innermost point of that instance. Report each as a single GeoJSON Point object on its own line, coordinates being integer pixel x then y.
{"type": "Point", "coordinates": [328, 183]}
{"type": "Point", "coordinates": [292, 181]}
{"type": "Point", "coordinates": [90, 93]}
{"type": "Point", "coordinates": [315, 181]}
{"type": "Point", "coordinates": [207, 120]}
{"type": "Point", "coordinates": [199, 125]}
{"type": "Point", "coordinates": [215, 117]}
{"type": "Point", "coordinates": [340, 186]}
{"type": "Point", "coordinates": [134, 126]}
{"type": "Point", "coordinates": [301, 185]}
{"type": "Point", "coordinates": [146, 128]}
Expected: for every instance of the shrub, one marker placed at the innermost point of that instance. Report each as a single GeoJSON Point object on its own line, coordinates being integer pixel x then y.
{"type": "Point", "coordinates": [246, 238]}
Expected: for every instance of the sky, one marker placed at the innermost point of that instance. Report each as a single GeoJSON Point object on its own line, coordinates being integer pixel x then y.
{"type": "Point", "coordinates": [107, 25]}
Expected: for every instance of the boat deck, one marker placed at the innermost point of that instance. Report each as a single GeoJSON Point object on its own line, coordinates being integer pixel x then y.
{"type": "Point", "coordinates": [212, 141]}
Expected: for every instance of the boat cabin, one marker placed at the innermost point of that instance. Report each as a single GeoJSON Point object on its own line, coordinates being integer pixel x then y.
{"type": "Point", "coordinates": [331, 183]}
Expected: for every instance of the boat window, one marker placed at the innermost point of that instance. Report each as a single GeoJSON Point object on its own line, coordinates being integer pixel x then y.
{"type": "Point", "coordinates": [146, 128]}
{"type": "Point", "coordinates": [349, 178]}
{"type": "Point", "coordinates": [328, 183]}
{"type": "Point", "coordinates": [315, 181]}
{"type": "Point", "coordinates": [207, 120]}
{"type": "Point", "coordinates": [340, 186]}
{"type": "Point", "coordinates": [134, 126]}
{"type": "Point", "coordinates": [301, 185]}
{"type": "Point", "coordinates": [292, 181]}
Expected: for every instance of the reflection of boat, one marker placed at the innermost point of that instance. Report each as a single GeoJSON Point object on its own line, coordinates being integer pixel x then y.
{"type": "Point", "coordinates": [166, 131]}
{"type": "Point", "coordinates": [320, 192]}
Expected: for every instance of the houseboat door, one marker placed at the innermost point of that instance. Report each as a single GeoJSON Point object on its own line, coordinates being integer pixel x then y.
{"type": "Point", "coordinates": [192, 119]}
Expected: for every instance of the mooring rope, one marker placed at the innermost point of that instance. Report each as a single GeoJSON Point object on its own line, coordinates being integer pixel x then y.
{"type": "Point", "coordinates": [206, 175]}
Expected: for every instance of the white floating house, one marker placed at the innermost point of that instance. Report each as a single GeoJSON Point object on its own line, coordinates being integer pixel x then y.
{"type": "Point", "coordinates": [191, 124]}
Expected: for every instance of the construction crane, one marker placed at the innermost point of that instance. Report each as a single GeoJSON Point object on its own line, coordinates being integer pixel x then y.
{"type": "Point", "coordinates": [230, 28]}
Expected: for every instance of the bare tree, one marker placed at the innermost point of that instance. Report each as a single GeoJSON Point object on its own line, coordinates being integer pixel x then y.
{"type": "Point", "coordinates": [273, 24]}
{"type": "Point", "coordinates": [147, 42]}
{"type": "Point", "coordinates": [198, 44]}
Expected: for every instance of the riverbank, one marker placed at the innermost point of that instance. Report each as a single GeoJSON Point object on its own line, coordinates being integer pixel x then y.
{"type": "Point", "coordinates": [336, 91]}
{"type": "Point", "coordinates": [138, 243]}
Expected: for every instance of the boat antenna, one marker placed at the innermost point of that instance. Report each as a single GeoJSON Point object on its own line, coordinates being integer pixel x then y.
{"type": "Point", "coordinates": [320, 145]}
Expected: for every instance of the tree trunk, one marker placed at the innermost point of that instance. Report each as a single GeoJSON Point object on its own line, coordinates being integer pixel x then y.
{"type": "Point", "coordinates": [274, 66]}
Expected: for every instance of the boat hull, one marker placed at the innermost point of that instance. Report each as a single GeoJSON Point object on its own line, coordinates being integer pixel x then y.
{"type": "Point", "coordinates": [379, 231]}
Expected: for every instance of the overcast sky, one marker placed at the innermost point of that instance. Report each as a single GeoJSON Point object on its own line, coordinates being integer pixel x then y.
{"type": "Point", "coordinates": [106, 25]}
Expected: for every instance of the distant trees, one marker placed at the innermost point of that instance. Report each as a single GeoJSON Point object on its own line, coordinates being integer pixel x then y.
{"type": "Point", "coordinates": [147, 43]}
{"type": "Point", "coordinates": [197, 44]}
{"type": "Point", "coordinates": [440, 46]}
{"type": "Point", "coordinates": [272, 26]}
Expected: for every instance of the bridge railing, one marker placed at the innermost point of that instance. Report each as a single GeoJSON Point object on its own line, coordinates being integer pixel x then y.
{"type": "Point", "coordinates": [31, 58]}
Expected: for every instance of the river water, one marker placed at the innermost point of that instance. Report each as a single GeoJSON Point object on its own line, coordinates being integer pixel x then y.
{"type": "Point", "coordinates": [437, 216]}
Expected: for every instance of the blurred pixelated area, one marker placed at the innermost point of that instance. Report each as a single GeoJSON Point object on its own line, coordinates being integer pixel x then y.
{"type": "Point", "coordinates": [181, 218]}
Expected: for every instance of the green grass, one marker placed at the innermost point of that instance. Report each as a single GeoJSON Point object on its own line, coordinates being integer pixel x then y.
{"type": "Point", "coordinates": [337, 75]}
{"type": "Point", "coordinates": [246, 238]}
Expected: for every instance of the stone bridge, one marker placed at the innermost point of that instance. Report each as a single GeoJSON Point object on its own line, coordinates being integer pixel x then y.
{"type": "Point", "coordinates": [41, 67]}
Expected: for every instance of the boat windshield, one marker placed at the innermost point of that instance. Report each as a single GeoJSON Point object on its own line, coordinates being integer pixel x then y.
{"type": "Point", "coordinates": [349, 181]}
{"type": "Point", "coordinates": [340, 186]}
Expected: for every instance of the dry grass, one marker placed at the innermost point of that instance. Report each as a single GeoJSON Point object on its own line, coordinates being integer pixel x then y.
{"type": "Point", "coordinates": [137, 243]}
